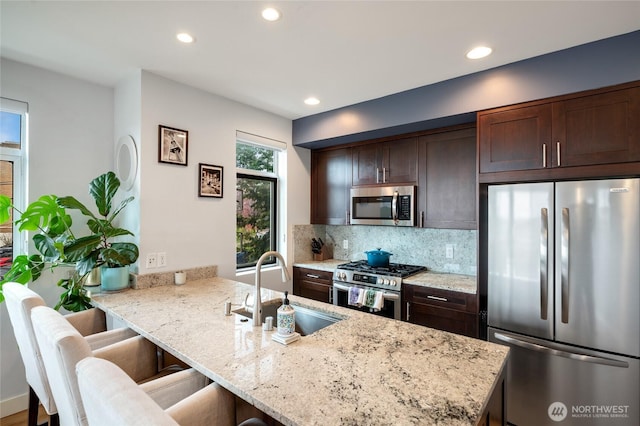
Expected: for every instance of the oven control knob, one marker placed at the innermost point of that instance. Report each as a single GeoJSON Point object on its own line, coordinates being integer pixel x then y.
{"type": "Point", "coordinates": [386, 282]}
{"type": "Point", "coordinates": [379, 281]}
{"type": "Point", "coordinates": [342, 276]}
{"type": "Point", "coordinates": [393, 283]}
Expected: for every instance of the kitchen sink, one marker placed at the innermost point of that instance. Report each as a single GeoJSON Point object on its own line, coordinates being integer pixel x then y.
{"type": "Point", "coordinates": [307, 320]}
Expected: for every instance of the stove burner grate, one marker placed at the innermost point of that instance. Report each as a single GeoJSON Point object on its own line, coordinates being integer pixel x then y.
{"type": "Point", "coordinates": [394, 269]}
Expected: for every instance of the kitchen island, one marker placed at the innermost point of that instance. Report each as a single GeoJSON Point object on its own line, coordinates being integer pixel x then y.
{"type": "Point", "coordinates": [362, 370]}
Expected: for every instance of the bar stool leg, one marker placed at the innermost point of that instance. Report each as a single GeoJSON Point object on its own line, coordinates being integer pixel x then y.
{"type": "Point", "coordinates": [34, 402]}
{"type": "Point", "coordinates": [54, 420]}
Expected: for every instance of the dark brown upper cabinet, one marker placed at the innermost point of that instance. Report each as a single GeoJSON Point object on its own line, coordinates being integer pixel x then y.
{"type": "Point", "coordinates": [588, 130]}
{"type": "Point", "coordinates": [330, 186]}
{"type": "Point", "coordinates": [597, 129]}
{"type": "Point", "coordinates": [390, 162]}
{"type": "Point", "coordinates": [447, 183]}
{"type": "Point", "coordinates": [515, 139]}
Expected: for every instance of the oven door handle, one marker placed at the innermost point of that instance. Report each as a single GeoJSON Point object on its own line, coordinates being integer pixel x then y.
{"type": "Point", "coordinates": [387, 296]}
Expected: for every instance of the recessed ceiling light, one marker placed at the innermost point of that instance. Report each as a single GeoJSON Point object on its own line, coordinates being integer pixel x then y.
{"type": "Point", "coordinates": [312, 101]}
{"type": "Point", "coordinates": [185, 37]}
{"type": "Point", "coordinates": [271, 14]}
{"type": "Point", "coordinates": [479, 52]}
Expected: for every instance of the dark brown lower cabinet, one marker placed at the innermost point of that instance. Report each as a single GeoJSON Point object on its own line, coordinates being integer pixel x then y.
{"type": "Point", "coordinates": [445, 310]}
{"type": "Point", "coordinates": [495, 413]}
{"type": "Point", "coordinates": [313, 284]}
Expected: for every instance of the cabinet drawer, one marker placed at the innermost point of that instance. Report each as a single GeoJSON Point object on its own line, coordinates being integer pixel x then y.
{"type": "Point", "coordinates": [443, 319]}
{"type": "Point", "coordinates": [315, 275]}
{"type": "Point", "coordinates": [313, 284]}
{"type": "Point", "coordinates": [443, 298]}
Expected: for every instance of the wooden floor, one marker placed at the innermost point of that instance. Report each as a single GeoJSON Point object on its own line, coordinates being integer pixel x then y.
{"type": "Point", "coordinates": [20, 419]}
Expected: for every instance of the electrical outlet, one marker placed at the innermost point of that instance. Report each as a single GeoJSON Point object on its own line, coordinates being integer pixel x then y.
{"type": "Point", "coordinates": [162, 259]}
{"type": "Point", "coordinates": [152, 261]}
{"type": "Point", "coordinates": [345, 244]}
{"type": "Point", "coordinates": [449, 251]}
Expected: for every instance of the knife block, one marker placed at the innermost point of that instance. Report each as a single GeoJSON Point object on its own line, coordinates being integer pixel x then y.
{"type": "Point", "coordinates": [320, 256]}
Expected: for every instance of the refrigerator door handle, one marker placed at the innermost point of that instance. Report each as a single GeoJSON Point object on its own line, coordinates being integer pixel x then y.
{"type": "Point", "coordinates": [550, 351]}
{"type": "Point", "coordinates": [564, 266]}
{"type": "Point", "coordinates": [544, 260]}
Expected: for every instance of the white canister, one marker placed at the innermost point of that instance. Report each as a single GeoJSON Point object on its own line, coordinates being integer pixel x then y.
{"type": "Point", "coordinates": [180, 278]}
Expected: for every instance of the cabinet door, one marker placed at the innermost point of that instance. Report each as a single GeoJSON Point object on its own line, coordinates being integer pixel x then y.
{"type": "Point", "coordinates": [400, 161]}
{"type": "Point", "coordinates": [330, 186]}
{"type": "Point", "coordinates": [447, 180]}
{"type": "Point", "coordinates": [597, 129]}
{"type": "Point", "coordinates": [388, 162]}
{"type": "Point", "coordinates": [515, 139]}
{"type": "Point", "coordinates": [367, 165]}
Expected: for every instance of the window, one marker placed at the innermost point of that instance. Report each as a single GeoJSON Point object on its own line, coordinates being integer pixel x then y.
{"type": "Point", "coordinates": [256, 200]}
{"type": "Point", "coordinates": [13, 125]}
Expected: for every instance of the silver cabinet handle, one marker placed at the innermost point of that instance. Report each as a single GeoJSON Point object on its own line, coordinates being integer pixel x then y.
{"type": "Point", "coordinates": [544, 155]}
{"type": "Point", "coordinates": [313, 276]}
{"type": "Point", "coordinates": [544, 259]}
{"type": "Point", "coordinates": [564, 266]}
{"type": "Point", "coordinates": [564, 354]}
{"type": "Point", "coordinates": [558, 152]}
{"type": "Point", "coordinates": [441, 299]}
{"type": "Point", "coordinates": [331, 295]}
{"type": "Point", "coordinates": [384, 175]}
{"type": "Point", "coordinates": [408, 309]}
{"type": "Point", "coordinates": [377, 175]}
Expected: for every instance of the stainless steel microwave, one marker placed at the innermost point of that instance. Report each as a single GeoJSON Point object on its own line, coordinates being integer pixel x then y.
{"type": "Point", "coordinates": [383, 205]}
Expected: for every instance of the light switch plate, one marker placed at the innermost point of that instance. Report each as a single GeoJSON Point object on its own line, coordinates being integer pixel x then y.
{"type": "Point", "coordinates": [449, 251]}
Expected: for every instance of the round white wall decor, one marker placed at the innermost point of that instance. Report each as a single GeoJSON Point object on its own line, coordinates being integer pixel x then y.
{"type": "Point", "coordinates": [126, 162]}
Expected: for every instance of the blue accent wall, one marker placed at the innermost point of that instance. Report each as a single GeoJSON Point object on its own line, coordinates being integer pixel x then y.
{"type": "Point", "coordinates": [598, 64]}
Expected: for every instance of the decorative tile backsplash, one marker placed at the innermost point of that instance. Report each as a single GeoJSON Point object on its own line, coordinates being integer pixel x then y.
{"type": "Point", "coordinates": [414, 246]}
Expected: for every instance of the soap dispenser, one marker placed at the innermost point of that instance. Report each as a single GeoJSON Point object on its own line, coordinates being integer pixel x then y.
{"type": "Point", "coordinates": [286, 317]}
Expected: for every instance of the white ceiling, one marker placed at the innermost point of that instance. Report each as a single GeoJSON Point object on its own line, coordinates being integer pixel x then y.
{"type": "Point", "coordinates": [342, 52]}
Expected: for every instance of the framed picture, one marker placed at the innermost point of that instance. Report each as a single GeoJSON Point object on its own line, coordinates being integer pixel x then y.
{"type": "Point", "coordinates": [210, 181]}
{"type": "Point", "coordinates": [173, 145]}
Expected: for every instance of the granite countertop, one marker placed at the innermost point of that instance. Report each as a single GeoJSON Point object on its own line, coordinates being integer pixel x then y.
{"type": "Point", "coordinates": [328, 265]}
{"type": "Point", "coordinates": [444, 281]}
{"type": "Point", "coordinates": [452, 282]}
{"type": "Point", "coordinates": [364, 369]}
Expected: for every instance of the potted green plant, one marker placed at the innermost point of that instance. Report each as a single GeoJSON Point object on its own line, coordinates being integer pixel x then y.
{"type": "Point", "coordinates": [58, 244]}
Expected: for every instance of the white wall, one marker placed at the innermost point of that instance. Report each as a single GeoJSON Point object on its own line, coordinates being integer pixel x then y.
{"type": "Point", "coordinates": [196, 231]}
{"type": "Point", "coordinates": [70, 143]}
{"type": "Point", "coordinates": [74, 126]}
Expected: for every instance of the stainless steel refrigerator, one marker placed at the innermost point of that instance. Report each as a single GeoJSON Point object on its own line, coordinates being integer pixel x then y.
{"type": "Point", "coordinates": [564, 294]}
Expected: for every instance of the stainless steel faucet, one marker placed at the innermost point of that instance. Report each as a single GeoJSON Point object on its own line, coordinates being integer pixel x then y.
{"type": "Point", "coordinates": [257, 300]}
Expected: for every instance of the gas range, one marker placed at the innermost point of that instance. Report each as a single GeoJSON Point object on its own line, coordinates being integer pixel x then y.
{"type": "Point", "coordinates": [388, 278]}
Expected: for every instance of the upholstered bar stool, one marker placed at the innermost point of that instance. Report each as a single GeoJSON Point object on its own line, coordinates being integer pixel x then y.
{"type": "Point", "coordinates": [62, 347]}
{"type": "Point", "coordinates": [90, 323]}
{"type": "Point", "coordinates": [110, 397]}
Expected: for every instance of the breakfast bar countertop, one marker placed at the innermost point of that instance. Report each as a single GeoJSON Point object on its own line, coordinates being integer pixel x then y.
{"type": "Point", "coordinates": [362, 370]}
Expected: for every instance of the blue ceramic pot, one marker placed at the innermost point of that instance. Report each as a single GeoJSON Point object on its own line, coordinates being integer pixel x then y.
{"type": "Point", "coordinates": [112, 279]}
{"type": "Point", "coordinates": [378, 258]}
